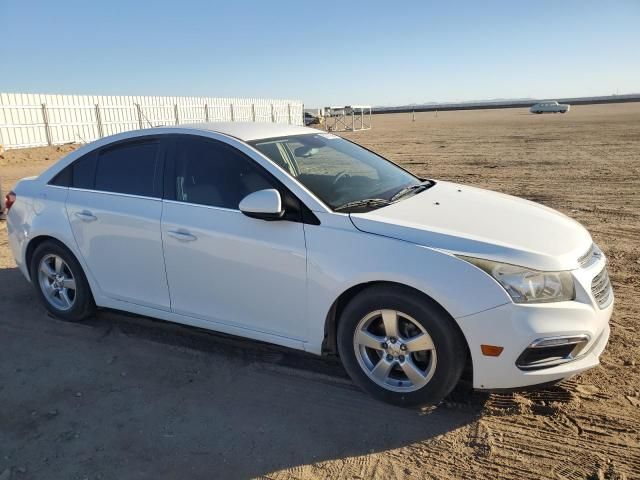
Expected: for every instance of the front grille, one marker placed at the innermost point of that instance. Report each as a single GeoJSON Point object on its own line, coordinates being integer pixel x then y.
{"type": "Point", "coordinates": [601, 289]}
{"type": "Point", "coordinates": [590, 257]}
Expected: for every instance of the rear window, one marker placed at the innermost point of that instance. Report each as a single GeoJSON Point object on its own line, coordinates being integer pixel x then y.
{"type": "Point", "coordinates": [80, 174]}
{"type": "Point", "coordinates": [84, 172]}
{"type": "Point", "coordinates": [128, 168]}
{"type": "Point", "coordinates": [123, 168]}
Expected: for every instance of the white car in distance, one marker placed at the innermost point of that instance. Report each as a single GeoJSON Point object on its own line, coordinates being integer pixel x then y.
{"type": "Point", "coordinates": [301, 238]}
{"type": "Point", "coordinates": [550, 107]}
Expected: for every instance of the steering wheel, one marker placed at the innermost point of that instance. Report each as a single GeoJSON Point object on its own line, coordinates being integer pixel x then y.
{"type": "Point", "coordinates": [341, 176]}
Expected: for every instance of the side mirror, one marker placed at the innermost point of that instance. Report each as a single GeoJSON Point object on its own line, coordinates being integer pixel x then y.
{"type": "Point", "coordinates": [263, 204]}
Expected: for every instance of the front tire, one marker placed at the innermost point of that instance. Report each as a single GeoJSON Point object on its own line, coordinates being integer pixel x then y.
{"type": "Point", "coordinates": [60, 283]}
{"type": "Point", "coordinates": [400, 346]}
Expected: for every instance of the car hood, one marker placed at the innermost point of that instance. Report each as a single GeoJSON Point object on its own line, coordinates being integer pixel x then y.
{"type": "Point", "coordinates": [483, 224]}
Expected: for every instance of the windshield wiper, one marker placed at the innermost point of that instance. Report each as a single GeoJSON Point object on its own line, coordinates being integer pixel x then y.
{"type": "Point", "coordinates": [412, 189]}
{"type": "Point", "coordinates": [367, 202]}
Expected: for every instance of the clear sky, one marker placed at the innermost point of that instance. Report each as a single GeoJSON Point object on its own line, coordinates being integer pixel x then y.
{"type": "Point", "coordinates": [322, 52]}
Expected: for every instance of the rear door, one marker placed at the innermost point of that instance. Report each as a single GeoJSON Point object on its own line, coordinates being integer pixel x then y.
{"type": "Point", "coordinates": [114, 207]}
{"type": "Point", "coordinates": [223, 266]}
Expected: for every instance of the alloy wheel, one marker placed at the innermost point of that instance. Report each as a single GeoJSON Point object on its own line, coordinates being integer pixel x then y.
{"type": "Point", "coordinates": [57, 282]}
{"type": "Point", "coordinates": [394, 350]}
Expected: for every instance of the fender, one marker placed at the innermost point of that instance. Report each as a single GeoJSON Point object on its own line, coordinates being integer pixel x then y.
{"type": "Point", "coordinates": [341, 257]}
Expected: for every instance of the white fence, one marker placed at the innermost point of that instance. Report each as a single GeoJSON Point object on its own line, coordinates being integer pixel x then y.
{"type": "Point", "coordinates": [30, 120]}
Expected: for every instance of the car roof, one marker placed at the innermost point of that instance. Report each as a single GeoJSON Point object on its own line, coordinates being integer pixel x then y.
{"type": "Point", "coordinates": [248, 131]}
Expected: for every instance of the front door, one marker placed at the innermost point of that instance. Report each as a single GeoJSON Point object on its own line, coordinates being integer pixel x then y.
{"type": "Point", "coordinates": [221, 265]}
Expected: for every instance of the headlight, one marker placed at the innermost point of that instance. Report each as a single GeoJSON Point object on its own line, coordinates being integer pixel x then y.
{"type": "Point", "coordinates": [528, 286]}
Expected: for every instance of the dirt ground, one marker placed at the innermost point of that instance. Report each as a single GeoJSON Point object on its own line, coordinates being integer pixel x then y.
{"type": "Point", "coordinates": [127, 397]}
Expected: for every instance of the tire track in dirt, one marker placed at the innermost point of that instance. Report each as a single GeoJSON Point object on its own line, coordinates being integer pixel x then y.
{"type": "Point", "coordinates": [562, 429]}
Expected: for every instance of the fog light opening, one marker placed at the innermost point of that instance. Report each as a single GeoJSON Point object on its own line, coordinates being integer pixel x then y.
{"type": "Point", "coordinates": [552, 351]}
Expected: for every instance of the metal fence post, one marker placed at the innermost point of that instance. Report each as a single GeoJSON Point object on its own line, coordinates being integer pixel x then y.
{"type": "Point", "coordinates": [47, 129]}
{"type": "Point", "coordinates": [139, 115]}
{"type": "Point", "coordinates": [99, 121]}
{"type": "Point", "coordinates": [231, 109]}
{"type": "Point", "coordinates": [273, 118]}
{"type": "Point", "coordinates": [206, 112]}
{"type": "Point", "coordinates": [303, 115]}
{"type": "Point", "coordinates": [175, 110]}
{"type": "Point", "coordinates": [253, 112]}
{"type": "Point", "coordinates": [289, 112]}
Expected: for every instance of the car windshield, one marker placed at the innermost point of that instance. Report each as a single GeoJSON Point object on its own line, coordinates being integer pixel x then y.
{"type": "Point", "coordinates": [342, 174]}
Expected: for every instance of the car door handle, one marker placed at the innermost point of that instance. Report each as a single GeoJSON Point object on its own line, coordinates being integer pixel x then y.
{"type": "Point", "coordinates": [182, 235]}
{"type": "Point", "coordinates": [86, 216]}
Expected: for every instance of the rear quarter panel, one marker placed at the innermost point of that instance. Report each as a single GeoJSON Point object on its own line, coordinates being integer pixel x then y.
{"type": "Point", "coordinates": [40, 211]}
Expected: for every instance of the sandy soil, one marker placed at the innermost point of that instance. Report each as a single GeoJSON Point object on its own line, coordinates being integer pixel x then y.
{"type": "Point", "coordinates": [125, 397]}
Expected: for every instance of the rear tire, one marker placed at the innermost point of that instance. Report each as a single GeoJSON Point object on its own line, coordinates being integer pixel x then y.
{"type": "Point", "coordinates": [60, 283]}
{"type": "Point", "coordinates": [416, 362]}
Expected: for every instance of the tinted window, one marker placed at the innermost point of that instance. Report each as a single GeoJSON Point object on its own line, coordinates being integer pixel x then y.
{"type": "Point", "coordinates": [80, 174]}
{"type": "Point", "coordinates": [211, 173]}
{"type": "Point", "coordinates": [84, 171]}
{"type": "Point", "coordinates": [64, 178]}
{"type": "Point", "coordinates": [128, 168]}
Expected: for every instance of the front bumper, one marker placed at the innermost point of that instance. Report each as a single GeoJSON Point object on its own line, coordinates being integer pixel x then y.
{"type": "Point", "coordinates": [516, 326]}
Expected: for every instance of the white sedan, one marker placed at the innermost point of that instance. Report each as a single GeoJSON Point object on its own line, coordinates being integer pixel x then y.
{"type": "Point", "coordinates": [550, 107]}
{"type": "Point", "coordinates": [300, 238]}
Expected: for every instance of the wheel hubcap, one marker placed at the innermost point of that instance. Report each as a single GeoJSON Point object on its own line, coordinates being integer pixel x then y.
{"type": "Point", "coordinates": [394, 350]}
{"type": "Point", "coordinates": [57, 282]}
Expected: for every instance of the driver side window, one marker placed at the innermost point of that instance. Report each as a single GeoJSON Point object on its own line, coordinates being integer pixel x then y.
{"type": "Point", "coordinates": [208, 172]}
